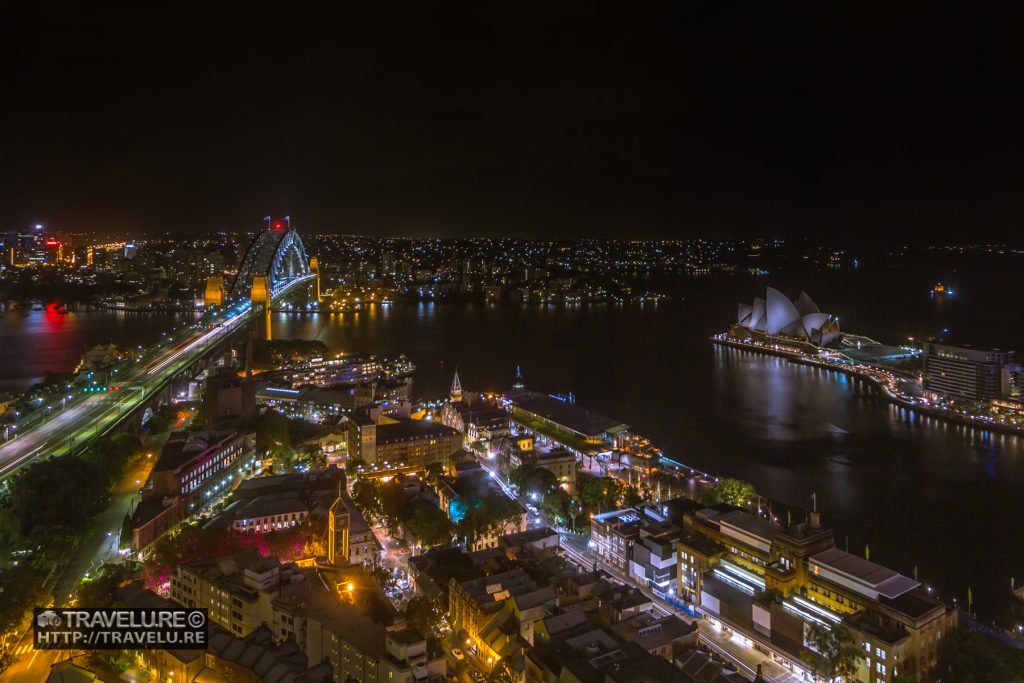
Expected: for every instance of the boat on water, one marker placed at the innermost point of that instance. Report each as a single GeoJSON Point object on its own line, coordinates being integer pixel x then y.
{"type": "Point", "coordinates": [941, 290]}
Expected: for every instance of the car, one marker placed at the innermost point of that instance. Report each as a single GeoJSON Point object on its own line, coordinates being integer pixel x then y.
{"type": "Point", "coordinates": [477, 676]}
{"type": "Point", "coordinates": [458, 654]}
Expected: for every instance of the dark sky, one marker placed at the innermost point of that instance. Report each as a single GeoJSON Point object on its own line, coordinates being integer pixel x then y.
{"type": "Point", "coordinates": [875, 120]}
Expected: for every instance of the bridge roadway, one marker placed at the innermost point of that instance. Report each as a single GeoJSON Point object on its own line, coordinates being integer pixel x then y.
{"type": "Point", "coordinates": [97, 413]}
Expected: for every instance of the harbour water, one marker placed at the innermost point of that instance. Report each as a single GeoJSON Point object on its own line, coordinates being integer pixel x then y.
{"type": "Point", "coordinates": [923, 494]}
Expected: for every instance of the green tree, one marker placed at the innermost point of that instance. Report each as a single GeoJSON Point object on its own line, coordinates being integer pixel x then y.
{"type": "Point", "coordinates": [730, 492]}
{"type": "Point", "coordinates": [433, 473]}
{"type": "Point", "coordinates": [970, 657]}
{"type": "Point", "coordinates": [488, 516]}
{"type": "Point", "coordinates": [503, 672]}
{"type": "Point", "coordinates": [430, 526]}
{"type": "Point", "coordinates": [272, 432]}
{"type": "Point", "coordinates": [20, 590]}
{"type": "Point", "coordinates": [559, 506]}
{"type": "Point", "coordinates": [834, 652]}
{"type": "Point", "coordinates": [99, 591]}
{"type": "Point", "coordinates": [366, 496]}
{"type": "Point", "coordinates": [40, 495]}
{"type": "Point", "coordinates": [392, 504]}
{"type": "Point", "coordinates": [423, 615]}
{"type": "Point", "coordinates": [631, 497]}
{"type": "Point", "coordinates": [353, 465]}
{"type": "Point", "coordinates": [599, 494]}
{"type": "Point", "coordinates": [532, 481]}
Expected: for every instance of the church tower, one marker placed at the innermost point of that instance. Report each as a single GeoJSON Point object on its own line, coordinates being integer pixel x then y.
{"type": "Point", "coordinates": [456, 393]}
{"type": "Point", "coordinates": [518, 384]}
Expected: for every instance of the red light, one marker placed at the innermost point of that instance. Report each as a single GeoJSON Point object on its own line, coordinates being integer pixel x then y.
{"type": "Point", "coordinates": [278, 226]}
{"type": "Point", "coordinates": [52, 243]}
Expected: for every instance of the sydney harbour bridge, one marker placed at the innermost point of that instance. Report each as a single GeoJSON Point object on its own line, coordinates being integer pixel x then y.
{"type": "Point", "coordinates": [275, 267]}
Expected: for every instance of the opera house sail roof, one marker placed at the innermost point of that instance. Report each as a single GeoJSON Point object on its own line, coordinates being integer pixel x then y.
{"type": "Point", "coordinates": [775, 315]}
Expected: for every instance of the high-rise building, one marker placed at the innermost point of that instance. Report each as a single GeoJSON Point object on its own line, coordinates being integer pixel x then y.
{"type": "Point", "coordinates": [963, 372]}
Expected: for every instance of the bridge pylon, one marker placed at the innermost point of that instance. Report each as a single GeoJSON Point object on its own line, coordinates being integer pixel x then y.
{"type": "Point", "coordinates": [214, 294]}
{"type": "Point", "coordinates": [314, 266]}
{"type": "Point", "coordinates": [260, 294]}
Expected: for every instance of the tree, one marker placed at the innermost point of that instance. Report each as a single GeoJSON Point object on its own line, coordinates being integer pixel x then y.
{"type": "Point", "coordinates": [599, 494]}
{"type": "Point", "coordinates": [111, 455]}
{"type": "Point", "coordinates": [970, 657]}
{"type": "Point", "coordinates": [430, 526]}
{"type": "Point", "coordinates": [20, 590]}
{"type": "Point", "coordinates": [423, 615]}
{"type": "Point", "coordinates": [559, 506]}
{"type": "Point", "coordinates": [99, 591]}
{"type": "Point", "coordinates": [392, 504]}
{"type": "Point", "coordinates": [40, 495]}
{"type": "Point", "coordinates": [353, 465]}
{"type": "Point", "coordinates": [631, 497]}
{"type": "Point", "coordinates": [503, 672]}
{"type": "Point", "coordinates": [489, 516]}
{"type": "Point", "coordinates": [535, 482]}
{"type": "Point", "coordinates": [834, 652]}
{"type": "Point", "coordinates": [730, 492]}
{"type": "Point", "coordinates": [366, 496]}
{"type": "Point", "coordinates": [272, 432]}
{"type": "Point", "coordinates": [433, 472]}
{"type": "Point", "coordinates": [385, 578]}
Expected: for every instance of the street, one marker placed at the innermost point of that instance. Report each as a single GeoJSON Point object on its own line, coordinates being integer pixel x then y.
{"type": "Point", "coordinates": [732, 649]}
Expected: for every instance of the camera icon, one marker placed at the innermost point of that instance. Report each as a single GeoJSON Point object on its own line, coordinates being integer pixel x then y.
{"type": "Point", "coordinates": [48, 618]}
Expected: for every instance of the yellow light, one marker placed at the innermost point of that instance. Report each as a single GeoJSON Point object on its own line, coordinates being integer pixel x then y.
{"type": "Point", "coordinates": [349, 587]}
{"type": "Point", "coordinates": [467, 642]}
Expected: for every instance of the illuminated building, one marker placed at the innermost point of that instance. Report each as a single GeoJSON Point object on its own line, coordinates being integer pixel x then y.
{"type": "Point", "coordinates": [484, 611]}
{"type": "Point", "coordinates": [963, 372]}
{"type": "Point", "coordinates": [580, 430]}
{"type": "Point", "coordinates": [239, 591]}
{"type": "Point", "coordinates": [192, 467]}
{"type": "Point", "coordinates": [771, 583]}
{"type": "Point", "coordinates": [777, 316]}
{"type": "Point", "coordinates": [380, 440]}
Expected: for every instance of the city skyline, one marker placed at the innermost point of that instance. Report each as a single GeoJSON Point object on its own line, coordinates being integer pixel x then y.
{"type": "Point", "coordinates": [717, 121]}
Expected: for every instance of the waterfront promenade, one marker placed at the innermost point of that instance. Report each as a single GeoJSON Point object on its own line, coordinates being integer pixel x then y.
{"type": "Point", "coordinates": [886, 381]}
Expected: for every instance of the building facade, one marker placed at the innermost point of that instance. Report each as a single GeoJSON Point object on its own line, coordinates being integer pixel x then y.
{"type": "Point", "coordinates": [962, 372]}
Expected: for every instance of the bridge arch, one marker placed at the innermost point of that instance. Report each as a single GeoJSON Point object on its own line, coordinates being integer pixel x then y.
{"type": "Point", "coordinates": [277, 253]}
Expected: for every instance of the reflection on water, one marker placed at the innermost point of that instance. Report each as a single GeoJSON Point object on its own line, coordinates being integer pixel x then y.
{"type": "Point", "coordinates": [921, 492]}
{"type": "Point", "coordinates": [32, 342]}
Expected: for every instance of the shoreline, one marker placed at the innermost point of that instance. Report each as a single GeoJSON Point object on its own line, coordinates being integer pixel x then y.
{"type": "Point", "coordinates": [868, 374]}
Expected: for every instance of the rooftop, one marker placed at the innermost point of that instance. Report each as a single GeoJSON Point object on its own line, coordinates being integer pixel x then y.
{"type": "Point", "coordinates": [567, 415]}
{"type": "Point", "coordinates": [404, 430]}
{"type": "Point", "coordinates": [869, 578]}
{"type": "Point", "coordinates": [744, 522]}
{"type": "Point", "coordinates": [183, 447]}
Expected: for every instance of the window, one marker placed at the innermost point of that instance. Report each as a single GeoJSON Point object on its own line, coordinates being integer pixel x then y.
{"type": "Point", "coordinates": [880, 653]}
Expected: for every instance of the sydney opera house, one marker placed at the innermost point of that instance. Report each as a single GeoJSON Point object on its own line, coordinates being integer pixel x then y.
{"type": "Point", "coordinates": [777, 316]}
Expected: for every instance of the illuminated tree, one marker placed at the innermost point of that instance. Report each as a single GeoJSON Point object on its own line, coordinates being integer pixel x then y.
{"type": "Point", "coordinates": [730, 492]}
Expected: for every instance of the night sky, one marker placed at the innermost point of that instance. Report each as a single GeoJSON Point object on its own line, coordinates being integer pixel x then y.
{"type": "Point", "coordinates": [675, 119]}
